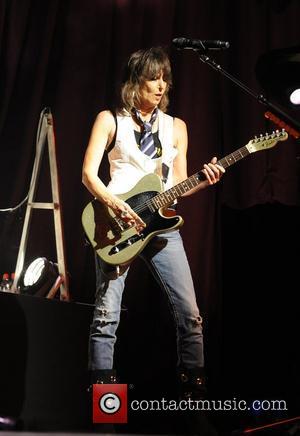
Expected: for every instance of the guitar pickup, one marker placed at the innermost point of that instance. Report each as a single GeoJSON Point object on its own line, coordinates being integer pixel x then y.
{"type": "Point", "coordinates": [119, 247]}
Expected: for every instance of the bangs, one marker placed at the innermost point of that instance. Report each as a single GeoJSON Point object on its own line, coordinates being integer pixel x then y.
{"type": "Point", "coordinates": [153, 63]}
{"type": "Point", "coordinates": [153, 69]}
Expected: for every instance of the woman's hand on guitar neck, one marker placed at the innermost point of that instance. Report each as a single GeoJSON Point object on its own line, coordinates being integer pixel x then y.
{"type": "Point", "coordinates": [124, 211]}
{"type": "Point", "coordinates": [213, 172]}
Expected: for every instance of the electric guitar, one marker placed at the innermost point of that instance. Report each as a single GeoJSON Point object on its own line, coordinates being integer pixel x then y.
{"type": "Point", "coordinates": [118, 243]}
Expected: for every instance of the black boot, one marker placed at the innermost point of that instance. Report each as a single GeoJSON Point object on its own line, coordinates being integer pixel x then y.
{"type": "Point", "coordinates": [192, 392]}
{"type": "Point", "coordinates": [192, 384]}
{"type": "Point", "coordinates": [100, 376]}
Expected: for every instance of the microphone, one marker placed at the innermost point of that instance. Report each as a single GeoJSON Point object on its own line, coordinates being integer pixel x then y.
{"type": "Point", "coordinates": [200, 44]}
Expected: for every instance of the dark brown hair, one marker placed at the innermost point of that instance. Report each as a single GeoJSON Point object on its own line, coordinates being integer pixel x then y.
{"type": "Point", "coordinates": [145, 65]}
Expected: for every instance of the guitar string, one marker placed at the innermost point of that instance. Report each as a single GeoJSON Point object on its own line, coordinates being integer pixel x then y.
{"type": "Point", "coordinates": [236, 155]}
{"type": "Point", "coordinates": [143, 207]}
{"type": "Point", "coordinates": [147, 204]}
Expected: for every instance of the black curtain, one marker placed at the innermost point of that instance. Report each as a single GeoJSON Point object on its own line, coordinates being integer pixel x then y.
{"type": "Point", "coordinates": [68, 55]}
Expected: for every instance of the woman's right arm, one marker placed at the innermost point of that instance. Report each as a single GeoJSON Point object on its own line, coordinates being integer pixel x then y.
{"type": "Point", "coordinates": [102, 135]}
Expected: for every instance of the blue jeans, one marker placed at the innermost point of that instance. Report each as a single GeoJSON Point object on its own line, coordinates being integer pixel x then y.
{"type": "Point", "coordinates": [166, 258]}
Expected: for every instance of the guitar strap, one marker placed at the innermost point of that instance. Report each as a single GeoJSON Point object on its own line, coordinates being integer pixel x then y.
{"type": "Point", "coordinates": [165, 168]}
{"type": "Point", "coordinates": [113, 142]}
{"type": "Point", "coordinates": [164, 172]}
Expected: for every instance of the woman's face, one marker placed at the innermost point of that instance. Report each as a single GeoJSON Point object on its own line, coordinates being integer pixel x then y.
{"type": "Point", "coordinates": [151, 92]}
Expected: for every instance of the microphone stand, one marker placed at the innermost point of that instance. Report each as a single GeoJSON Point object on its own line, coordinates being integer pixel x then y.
{"type": "Point", "coordinates": [259, 97]}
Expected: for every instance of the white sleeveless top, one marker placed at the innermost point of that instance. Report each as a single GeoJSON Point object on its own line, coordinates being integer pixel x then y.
{"type": "Point", "coordinates": [128, 164]}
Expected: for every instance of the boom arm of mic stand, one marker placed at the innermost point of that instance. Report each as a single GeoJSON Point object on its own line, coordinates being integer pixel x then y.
{"type": "Point", "coordinates": [259, 97]}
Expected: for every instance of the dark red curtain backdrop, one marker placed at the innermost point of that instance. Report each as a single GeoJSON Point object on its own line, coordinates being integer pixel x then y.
{"type": "Point", "coordinates": [68, 54]}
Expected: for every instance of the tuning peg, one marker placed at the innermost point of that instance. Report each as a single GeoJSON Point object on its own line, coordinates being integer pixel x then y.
{"type": "Point", "coordinates": [267, 135]}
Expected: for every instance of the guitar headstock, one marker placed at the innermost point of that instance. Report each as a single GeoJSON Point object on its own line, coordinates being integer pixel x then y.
{"type": "Point", "coordinates": [268, 140]}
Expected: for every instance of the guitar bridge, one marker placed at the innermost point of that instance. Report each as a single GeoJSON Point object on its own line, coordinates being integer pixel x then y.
{"type": "Point", "coordinates": [118, 225]}
{"type": "Point", "coordinates": [119, 247]}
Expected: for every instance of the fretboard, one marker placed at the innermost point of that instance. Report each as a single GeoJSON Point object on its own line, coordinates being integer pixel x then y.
{"type": "Point", "coordinates": [168, 197]}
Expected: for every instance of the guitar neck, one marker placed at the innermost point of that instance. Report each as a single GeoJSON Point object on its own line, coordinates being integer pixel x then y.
{"type": "Point", "coordinates": [168, 197]}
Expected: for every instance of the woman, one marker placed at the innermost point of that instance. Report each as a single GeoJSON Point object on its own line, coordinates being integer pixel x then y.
{"type": "Point", "coordinates": [142, 139]}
